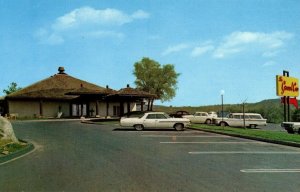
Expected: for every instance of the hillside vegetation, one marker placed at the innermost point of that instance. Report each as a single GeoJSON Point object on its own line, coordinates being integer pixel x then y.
{"type": "Point", "coordinates": [270, 109]}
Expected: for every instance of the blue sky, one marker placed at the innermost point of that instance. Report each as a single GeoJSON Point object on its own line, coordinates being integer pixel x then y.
{"type": "Point", "coordinates": [237, 46]}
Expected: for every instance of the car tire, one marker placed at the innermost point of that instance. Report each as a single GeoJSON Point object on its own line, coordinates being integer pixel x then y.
{"type": "Point", "coordinates": [252, 126]}
{"type": "Point", "coordinates": [139, 127]}
{"type": "Point", "coordinates": [208, 121]}
{"type": "Point", "coordinates": [223, 124]}
{"type": "Point", "coordinates": [290, 131]}
{"type": "Point", "coordinates": [179, 127]}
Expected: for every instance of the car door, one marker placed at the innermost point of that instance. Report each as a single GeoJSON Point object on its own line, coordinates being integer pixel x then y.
{"type": "Point", "coordinates": [203, 118]}
{"type": "Point", "coordinates": [200, 117]}
{"type": "Point", "coordinates": [233, 120]}
{"type": "Point", "coordinates": [150, 121]}
{"type": "Point", "coordinates": [196, 118]}
{"type": "Point", "coordinates": [162, 121]}
{"type": "Point", "coordinates": [247, 120]}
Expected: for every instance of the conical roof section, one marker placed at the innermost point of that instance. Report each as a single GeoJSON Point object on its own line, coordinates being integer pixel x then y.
{"type": "Point", "coordinates": [86, 91]}
{"type": "Point", "coordinates": [133, 92]}
{"type": "Point", "coordinates": [55, 87]}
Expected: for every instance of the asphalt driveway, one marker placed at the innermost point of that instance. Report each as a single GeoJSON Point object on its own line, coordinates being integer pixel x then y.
{"type": "Point", "coordinates": [71, 156]}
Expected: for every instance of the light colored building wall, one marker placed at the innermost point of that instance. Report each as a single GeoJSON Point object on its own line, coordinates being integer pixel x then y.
{"type": "Point", "coordinates": [51, 108]}
{"type": "Point", "coordinates": [111, 108]}
{"type": "Point", "coordinates": [24, 108]}
{"type": "Point", "coordinates": [32, 108]}
{"type": "Point", "coordinates": [132, 107]}
{"type": "Point", "coordinates": [102, 109]}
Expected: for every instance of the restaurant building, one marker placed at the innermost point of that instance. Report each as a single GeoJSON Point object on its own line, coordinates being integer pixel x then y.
{"type": "Point", "coordinates": [62, 95]}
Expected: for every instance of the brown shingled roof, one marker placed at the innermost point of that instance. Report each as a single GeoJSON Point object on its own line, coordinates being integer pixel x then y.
{"type": "Point", "coordinates": [55, 87]}
{"type": "Point", "coordinates": [85, 91]}
{"type": "Point", "coordinates": [132, 92]}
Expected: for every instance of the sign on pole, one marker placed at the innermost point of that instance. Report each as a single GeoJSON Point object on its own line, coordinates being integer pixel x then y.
{"type": "Point", "coordinates": [287, 86]}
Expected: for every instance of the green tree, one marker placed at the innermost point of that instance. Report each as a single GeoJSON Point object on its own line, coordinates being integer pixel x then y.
{"type": "Point", "coordinates": [13, 87]}
{"type": "Point", "coordinates": [157, 79]}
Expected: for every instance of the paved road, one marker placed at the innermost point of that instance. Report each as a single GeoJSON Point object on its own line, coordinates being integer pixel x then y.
{"type": "Point", "coordinates": [71, 156]}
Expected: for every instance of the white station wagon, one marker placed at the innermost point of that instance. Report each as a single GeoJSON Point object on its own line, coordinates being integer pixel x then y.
{"type": "Point", "coordinates": [252, 120]}
{"type": "Point", "coordinates": [155, 120]}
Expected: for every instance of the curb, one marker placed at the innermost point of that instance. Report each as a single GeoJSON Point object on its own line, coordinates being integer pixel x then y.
{"type": "Point", "coordinates": [291, 144]}
{"type": "Point", "coordinates": [16, 154]}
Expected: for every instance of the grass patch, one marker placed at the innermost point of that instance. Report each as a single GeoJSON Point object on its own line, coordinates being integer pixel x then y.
{"type": "Point", "coordinates": [6, 146]}
{"type": "Point", "coordinates": [4, 142]}
{"type": "Point", "coordinates": [262, 134]}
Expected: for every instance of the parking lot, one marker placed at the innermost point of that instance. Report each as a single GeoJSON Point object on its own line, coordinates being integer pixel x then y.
{"type": "Point", "coordinates": [71, 156]}
{"type": "Point", "coordinates": [227, 163]}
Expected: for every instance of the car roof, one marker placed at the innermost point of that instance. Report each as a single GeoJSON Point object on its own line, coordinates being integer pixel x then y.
{"type": "Point", "coordinates": [155, 113]}
{"type": "Point", "coordinates": [245, 114]}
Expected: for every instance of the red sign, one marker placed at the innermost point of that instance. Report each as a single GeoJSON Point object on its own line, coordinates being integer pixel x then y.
{"type": "Point", "coordinates": [293, 101]}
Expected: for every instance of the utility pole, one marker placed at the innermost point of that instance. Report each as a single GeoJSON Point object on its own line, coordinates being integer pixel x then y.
{"type": "Point", "coordinates": [286, 102]}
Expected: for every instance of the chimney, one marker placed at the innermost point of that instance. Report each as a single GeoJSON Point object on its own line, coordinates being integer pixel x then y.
{"type": "Point", "coordinates": [128, 86]}
{"type": "Point", "coordinates": [61, 70]}
{"type": "Point", "coordinates": [107, 87]}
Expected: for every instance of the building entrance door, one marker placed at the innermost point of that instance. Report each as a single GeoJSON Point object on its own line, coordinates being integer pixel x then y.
{"type": "Point", "coordinates": [79, 110]}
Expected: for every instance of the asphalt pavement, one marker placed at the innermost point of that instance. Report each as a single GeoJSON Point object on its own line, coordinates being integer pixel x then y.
{"type": "Point", "coordinates": [71, 156]}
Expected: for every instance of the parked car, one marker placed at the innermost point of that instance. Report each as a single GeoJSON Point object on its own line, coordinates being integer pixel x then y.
{"type": "Point", "coordinates": [252, 120]}
{"type": "Point", "coordinates": [213, 114]}
{"type": "Point", "coordinates": [200, 117]}
{"type": "Point", "coordinates": [135, 114]}
{"type": "Point", "coordinates": [179, 114]}
{"type": "Point", "coordinates": [155, 120]}
{"type": "Point", "coordinates": [291, 127]}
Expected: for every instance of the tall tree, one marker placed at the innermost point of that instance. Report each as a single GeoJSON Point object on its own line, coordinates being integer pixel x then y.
{"type": "Point", "coordinates": [13, 87]}
{"type": "Point", "coordinates": [156, 79]}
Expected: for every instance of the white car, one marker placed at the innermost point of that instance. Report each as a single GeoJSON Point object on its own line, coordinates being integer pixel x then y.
{"type": "Point", "coordinates": [155, 120]}
{"type": "Point", "coordinates": [213, 114]}
{"type": "Point", "coordinates": [251, 120]}
{"type": "Point", "coordinates": [200, 117]}
{"type": "Point", "coordinates": [291, 127]}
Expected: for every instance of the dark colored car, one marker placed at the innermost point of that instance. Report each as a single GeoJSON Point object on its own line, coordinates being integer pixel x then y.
{"type": "Point", "coordinates": [179, 114]}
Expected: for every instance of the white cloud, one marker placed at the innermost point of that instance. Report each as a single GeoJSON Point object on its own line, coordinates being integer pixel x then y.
{"type": "Point", "coordinates": [140, 14]}
{"type": "Point", "coordinates": [269, 63]}
{"type": "Point", "coordinates": [101, 34]}
{"type": "Point", "coordinates": [266, 43]}
{"type": "Point", "coordinates": [175, 48]}
{"type": "Point", "coordinates": [198, 51]}
{"type": "Point", "coordinates": [90, 22]}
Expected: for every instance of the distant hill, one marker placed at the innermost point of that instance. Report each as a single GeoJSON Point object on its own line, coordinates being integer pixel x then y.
{"type": "Point", "coordinates": [270, 109]}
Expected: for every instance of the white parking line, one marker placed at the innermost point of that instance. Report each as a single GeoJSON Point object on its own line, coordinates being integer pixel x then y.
{"type": "Point", "coordinates": [200, 136]}
{"type": "Point", "coordinates": [241, 152]}
{"type": "Point", "coordinates": [270, 170]}
{"type": "Point", "coordinates": [221, 142]}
